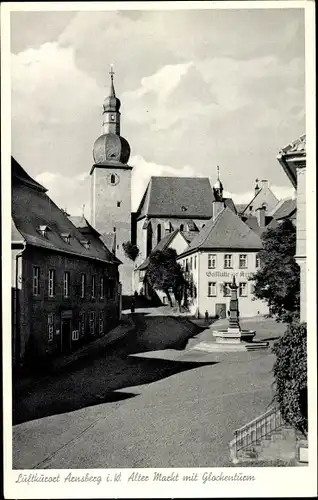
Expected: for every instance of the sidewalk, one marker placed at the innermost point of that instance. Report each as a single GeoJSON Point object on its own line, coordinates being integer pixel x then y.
{"type": "Point", "coordinates": [92, 349]}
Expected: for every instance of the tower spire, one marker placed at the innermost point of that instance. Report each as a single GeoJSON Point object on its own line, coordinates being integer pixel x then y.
{"type": "Point", "coordinates": [112, 88]}
{"type": "Point", "coordinates": [218, 186]}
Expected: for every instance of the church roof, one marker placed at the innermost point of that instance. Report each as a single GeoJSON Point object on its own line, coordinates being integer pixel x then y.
{"type": "Point", "coordinates": [226, 231]}
{"type": "Point", "coordinates": [179, 197]}
{"type": "Point", "coordinates": [183, 197]}
{"type": "Point", "coordinates": [34, 213]}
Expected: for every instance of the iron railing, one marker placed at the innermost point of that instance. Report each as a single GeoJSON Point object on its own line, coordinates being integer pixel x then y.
{"type": "Point", "coordinates": [255, 430]}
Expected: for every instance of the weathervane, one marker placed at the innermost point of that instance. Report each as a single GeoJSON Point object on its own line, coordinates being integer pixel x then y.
{"type": "Point", "coordinates": [111, 72]}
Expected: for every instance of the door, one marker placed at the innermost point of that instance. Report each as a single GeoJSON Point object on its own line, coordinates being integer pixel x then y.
{"type": "Point", "coordinates": [220, 310]}
{"type": "Point", "coordinates": [66, 335]}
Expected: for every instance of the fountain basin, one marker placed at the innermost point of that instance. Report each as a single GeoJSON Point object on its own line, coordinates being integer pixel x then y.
{"type": "Point", "coordinates": [233, 337]}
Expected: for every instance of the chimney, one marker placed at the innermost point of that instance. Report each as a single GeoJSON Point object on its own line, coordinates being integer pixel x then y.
{"type": "Point", "coordinates": [218, 206]}
{"type": "Point", "coordinates": [260, 215]}
{"type": "Point", "coordinates": [264, 183]}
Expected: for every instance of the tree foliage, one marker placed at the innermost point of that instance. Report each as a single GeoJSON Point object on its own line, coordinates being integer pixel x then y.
{"type": "Point", "coordinates": [277, 282]}
{"type": "Point", "coordinates": [164, 273]}
{"type": "Point", "coordinates": [290, 372]}
{"type": "Point", "coordinates": [131, 250]}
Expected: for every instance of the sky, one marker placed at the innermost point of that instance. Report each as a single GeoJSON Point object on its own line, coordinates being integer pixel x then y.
{"type": "Point", "coordinates": [198, 89]}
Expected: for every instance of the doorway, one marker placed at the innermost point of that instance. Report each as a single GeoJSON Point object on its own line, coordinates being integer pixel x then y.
{"type": "Point", "coordinates": [220, 310]}
{"type": "Point", "coordinates": [66, 335]}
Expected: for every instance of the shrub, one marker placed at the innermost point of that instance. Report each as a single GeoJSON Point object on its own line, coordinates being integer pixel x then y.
{"type": "Point", "coordinates": [290, 372]}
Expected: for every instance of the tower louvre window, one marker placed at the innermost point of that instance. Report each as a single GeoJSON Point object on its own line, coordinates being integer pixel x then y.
{"type": "Point", "coordinates": [112, 177]}
{"type": "Point", "coordinates": [118, 203]}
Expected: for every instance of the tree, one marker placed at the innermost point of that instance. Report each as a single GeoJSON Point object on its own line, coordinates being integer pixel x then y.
{"type": "Point", "coordinates": [277, 282]}
{"type": "Point", "coordinates": [290, 372]}
{"type": "Point", "coordinates": [131, 250]}
{"type": "Point", "coordinates": [164, 273]}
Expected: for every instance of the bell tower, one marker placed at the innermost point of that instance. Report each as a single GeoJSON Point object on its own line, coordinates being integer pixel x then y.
{"type": "Point", "coordinates": [111, 186]}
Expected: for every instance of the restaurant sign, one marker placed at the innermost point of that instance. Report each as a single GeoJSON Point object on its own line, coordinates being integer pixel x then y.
{"type": "Point", "coordinates": [227, 274]}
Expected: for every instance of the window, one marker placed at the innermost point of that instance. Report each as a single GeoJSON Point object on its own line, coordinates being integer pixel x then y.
{"type": "Point", "coordinates": [36, 280]}
{"type": "Point", "coordinates": [112, 179]}
{"type": "Point", "coordinates": [212, 261]}
{"type": "Point", "coordinates": [101, 287]}
{"type": "Point", "coordinates": [195, 262]}
{"type": "Point", "coordinates": [227, 290]}
{"type": "Point", "coordinates": [66, 237]}
{"type": "Point", "coordinates": [243, 261]}
{"type": "Point", "coordinates": [93, 287]}
{"type": "Point", "coordinates": [250, 208]}
{"type": "Point", "coordinates": [92, 323]}
{"type": "Point", "coordinates": [83, 285]}
{"type": "Point", "coordinates": [228, 261]}
{"type": "Point", "coordinates": [101, 323]}
{"type": "Point", "coordinates": [81, 325]}
{"type": "Point", "coordinates": [50, 324]}
{"type": "Point", "coordinates": [190, 267]}
{"type": "Point", "coordinates": [118, 203]}
{"type": "Point", "coordinates": [66, 284]}
{"type": "Point", "coordinates": [212, 289]}
{"type": "Point", "coordinates": [158, 233]}
{"type": "Point", "coordinates": [257, 261]}
{"type": "Point", "coordinates": [181, 227]}
{"type": "Point", "coordinates": [51, 283]}
{"type": "Point", "coordinates": [114, 229]}
{"type": "Point", "coordinates": [243, 289]}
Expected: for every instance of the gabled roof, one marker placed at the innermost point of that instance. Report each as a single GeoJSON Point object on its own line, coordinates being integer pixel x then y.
{"type": "Point", "coordinates": [32, 208]}
{"type": "Point", "coordinates": [255, 198]}
{"type": "Point", "coordinates": [283, 208]}
{"type": "Point", "coordinates": [226, 231]}
{"type": "Point", "coordinates": [183, 197]}
{"type": "Point", "coordinates": [18, 174]}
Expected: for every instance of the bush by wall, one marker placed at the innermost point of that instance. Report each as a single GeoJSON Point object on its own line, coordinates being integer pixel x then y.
{"type": "Point", "coordinates": [290, 372]}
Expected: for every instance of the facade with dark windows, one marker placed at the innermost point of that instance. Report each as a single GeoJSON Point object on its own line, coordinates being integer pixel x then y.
{"type": "Point", "coordinates": [224, 248]}
{"type": "Point", "coordinates": [65, 281]}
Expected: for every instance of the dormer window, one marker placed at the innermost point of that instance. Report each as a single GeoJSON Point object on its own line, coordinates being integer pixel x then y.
{"type": "Point", "coordinates": [183, 208]}
{"type": "Point", "coordinates": [66, 237]}
{"type": "Point", "coordinates": [86, 244]}
{"type": "Point", "coordinates": [43, 230]}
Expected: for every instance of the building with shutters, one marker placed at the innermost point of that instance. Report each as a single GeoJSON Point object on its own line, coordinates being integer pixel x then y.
{"type": "Point", "coordinates": [65, 281]}
{"type": "Point", "coordinates": [224, 248]}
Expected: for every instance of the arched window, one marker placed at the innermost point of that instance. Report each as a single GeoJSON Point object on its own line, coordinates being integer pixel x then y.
{"type": "Point", "coordinates": [112, 179]}
{"type": "Point", "coordinates": [181, 227]}
{"type": "Point", "coordinates": [158, 233]}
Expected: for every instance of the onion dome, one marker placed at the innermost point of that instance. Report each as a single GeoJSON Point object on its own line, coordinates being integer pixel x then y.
{"type": "Point", "coordinates": [111, 147]}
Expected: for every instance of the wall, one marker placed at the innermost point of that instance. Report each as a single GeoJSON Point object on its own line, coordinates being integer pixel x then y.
{"type": "Point", "coordinates": [142, 233]}
{"type": "Point", "coordinates": [202, 275]}
{"type": "Point", "coordinates": [106, 215]}
{"type": "Point", "coordinates": [301, 237]}
{"type": "Point", "coordinates": [34, 310]}
{"type": "Point", "coordinates": [264, 196]}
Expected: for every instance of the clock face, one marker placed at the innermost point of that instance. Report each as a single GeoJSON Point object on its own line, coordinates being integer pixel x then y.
{"type": "Point", "coordinates": [113, 179]}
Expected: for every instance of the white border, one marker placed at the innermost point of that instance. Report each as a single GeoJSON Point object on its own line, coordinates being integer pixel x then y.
{"type": "Point", "coordinates": [271, 482]}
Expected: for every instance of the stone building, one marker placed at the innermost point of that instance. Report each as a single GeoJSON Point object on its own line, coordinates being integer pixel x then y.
{"type": "Point", "coordinates": [293, 160]}
{"type": "Point", "coordinates": [111, 186]}
{"type": "Point", "coordinates": [171, 203]}
{"type": "Point", "coordinates": [65, 281]}
{"type": "Point", "coordinates": [263, 198]}
{"type": "Point", "coordinates": [224, 248]}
